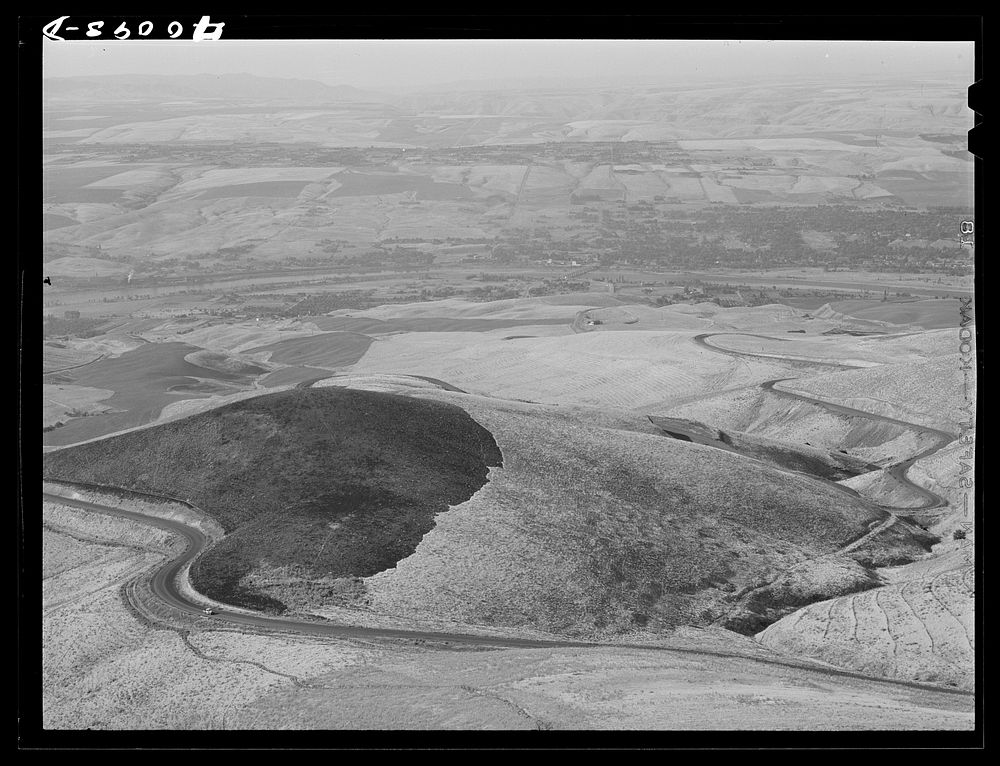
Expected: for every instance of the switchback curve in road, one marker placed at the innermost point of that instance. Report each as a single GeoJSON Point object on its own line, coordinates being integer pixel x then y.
{"type": "Point", "coordinates": [896, 470]}
{"type": "Point", "coordinates": [164, 584]}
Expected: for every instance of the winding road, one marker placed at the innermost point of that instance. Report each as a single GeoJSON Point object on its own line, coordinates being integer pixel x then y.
{"type": "Point", "coordinates": [166, 580]}
{"type": "Point", "coordinates": [896, 470]}
{"type": "Point", "coordinates": [164, 584]}
{"type": "Point", "coordinates": [702, 340]}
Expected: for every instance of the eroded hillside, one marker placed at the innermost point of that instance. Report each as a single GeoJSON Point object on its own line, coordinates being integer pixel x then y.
{"type": "Point", "coordinates": [590, 525]}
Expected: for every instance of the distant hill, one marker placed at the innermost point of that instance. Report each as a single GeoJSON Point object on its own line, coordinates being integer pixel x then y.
{"type": "Point", "coordinates": [162, 88]}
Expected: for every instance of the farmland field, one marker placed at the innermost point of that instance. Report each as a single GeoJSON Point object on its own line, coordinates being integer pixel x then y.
{"type": "Point", "coordinates": [425, 324]}
{"type": "Point", "coordinates": [142, 381]}
{"type": "Point", "coordinates": [293, 375]}
{"type": "Point", "coordinates": [928, 314]}
{"type": "Point", "coordinates": [332, 349]}
{"type": "Point", "coordinates": [363, 184]}
{"type": "Point", "coordinates": [260, 189]}
{"type": "Point", "coordinates": [74, 183]}
{"type": "Point", "coordinates": [54, 221]}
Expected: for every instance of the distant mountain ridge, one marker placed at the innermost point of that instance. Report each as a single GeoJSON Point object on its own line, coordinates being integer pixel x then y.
{"type": "Point", "coordinates": [203, 86]}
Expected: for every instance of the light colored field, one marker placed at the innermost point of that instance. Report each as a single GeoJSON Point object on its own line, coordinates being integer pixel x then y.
{"type": "Point", "coordinates": [61, 402]}
{"type": "Point", "coordinates": [169, 227]}
{"type": "Point", "coordinates": [329, 350]}
{"type": "Point", "coordinates": [868, 350]}
{"type": "Point", "coordinates": [128, 179]}
{"type": "Point", "coordinates": [600, 177]}
{"type": "Point", "coordinates": [212, 179]}
{"type": "Point", "coordinates": [513, 308]}
{"type": "Point", "coordinates": [825, 349]}
{"type": "Point", "coordinates": [267, 127]}
{"type": "Point", "coordinates": [785, 144]}
{"type": "Point", "coordinates": [601, 130]}
{"type": "Point", "coordinates": [595, 689]}
{"type": "Point", "coordinates": [644, 185]}
{"type": "Point", "coordinates": [778, 184]}
{"type": "Point", "coordinates": [717, 193]}
{"type": "Point", "coordinates": [84, 212]}
{"type": "Point", "coordinates": [927, 392]}
{"type": "Point", "coordinates": [635, 317]}
{"type": "Point", "coordinates": [621, 369]}
{"type": "Point", "coordinates": [577, 169]}
{"type": "Point", "coordinates": [868, 190]}
{"type": "Point", "coordinates": [637, 364]}
{"type": "Point", "coordinates": [920, 630]}
{"type": "Point", "coordinates": [928, 161]}
{"type": "Point", "coordinates": [543, 177]}
{"type": "Point", "coordinates": [818, 240]}
{"type": "Point", "coordinates": [431, 219]}
{"type": "Point", "coordinates": [187, 407]}
{"type": "Point", "coordinates": [655, 132]}
{"type": "Point", "coordinates": [930, 314]}
{"type": "Point", "coordinates": [221, 362]}
{"type": "Point", "coordinates": [684, 187]}
{"type": "Point", "coordinates": [503, 178]}
{"type": "Point", "coordinates": [58, 355]}
{"type": "Point", "coordinates": [78, 133]}
{"type": "Point", "coordinates": [74, 574]}
{"type": "Point", "coordinates": [823, 185]}
{"type": "Point", "coordinates": [235, 338]}
{"type": "Point", "coordinates": [75, 266]}
{"type": "Point", "coordinates": [581, 300]}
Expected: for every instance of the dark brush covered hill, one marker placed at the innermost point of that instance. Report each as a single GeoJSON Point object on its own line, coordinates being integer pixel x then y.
{"type": "Point", "coordinates": [596, 523]}
{"type": "Point", "coordinates": [319, 483]}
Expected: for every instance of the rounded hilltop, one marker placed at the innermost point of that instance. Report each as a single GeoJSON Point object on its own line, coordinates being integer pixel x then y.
{"type": "Point", "coordinates": [312, 483]}
{"type": "Point", "coordinates": [591, 523]}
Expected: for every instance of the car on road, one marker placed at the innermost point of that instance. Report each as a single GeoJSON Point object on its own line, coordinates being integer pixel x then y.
{"type": "Point", "coordinates": [208, 610]}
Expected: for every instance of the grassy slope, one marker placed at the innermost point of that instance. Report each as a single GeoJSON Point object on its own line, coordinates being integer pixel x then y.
{"type": "Point", "coordinates": [823, 464]}
{"type": "Point", "coordinates": [596, 528]}
{"type": "Point", "coordinates": [767, 414]}
{"type": "Point", "coordinates": [330, 482]}
{"type": "Point", "coordinates": [595, 525]}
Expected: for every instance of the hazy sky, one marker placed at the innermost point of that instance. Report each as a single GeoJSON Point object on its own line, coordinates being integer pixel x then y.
{"type": "Point", "coordinates": [395, 65]}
